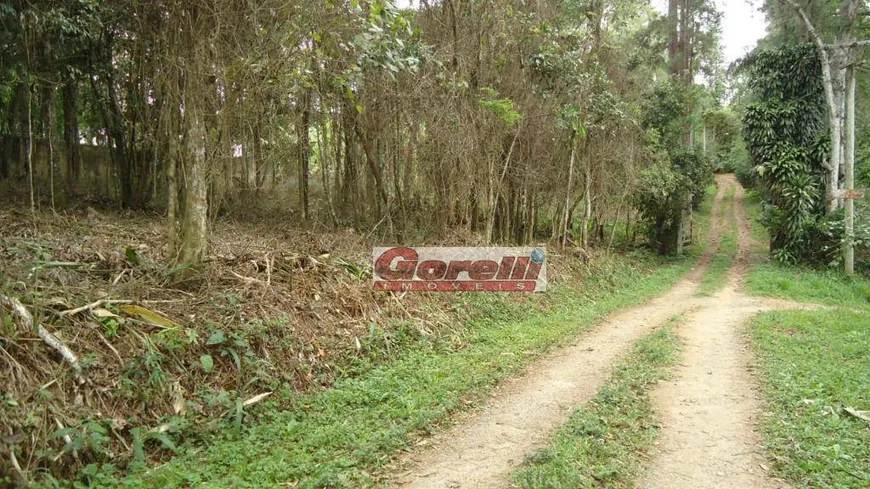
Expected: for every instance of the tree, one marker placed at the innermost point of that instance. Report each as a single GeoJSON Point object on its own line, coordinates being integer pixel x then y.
{"type": "Point", "coordinates": [785, 136]}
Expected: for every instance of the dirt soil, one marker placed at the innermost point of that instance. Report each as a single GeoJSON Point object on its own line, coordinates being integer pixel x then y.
{"type": "Point", "coordinates": [709, 411]}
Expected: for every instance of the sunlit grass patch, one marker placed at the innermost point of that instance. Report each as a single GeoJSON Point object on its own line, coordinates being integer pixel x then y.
{"type": "Point", "coordinates": [813, 365]}
{"type": "Point", "coordinates": [829, 287]}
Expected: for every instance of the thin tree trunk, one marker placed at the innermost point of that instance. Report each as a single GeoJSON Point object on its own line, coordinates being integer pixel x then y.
{"type": "Point", "coordinates": [568, 191]}
{"type": "Point", "coordinates": [50, 136]}
{"type": "Point", "coordinates": [587, 198]}
{"type": "Point", "coordinates": [172, 203]}
{"type": "Point", "coordinates": [29, 150]}
{"type": "Point", "coordinates": [324, 168]}
{"type": "Point", "coordinates": [194, 223]}
{"type": "Point", "coordinates": [71, 135]}
{"type": "Point", "coordinates": [849, 251]}
{"type": "Point", "coordinates": [304, 153]}
{"type": "Point", "coordinates": [834, 120]}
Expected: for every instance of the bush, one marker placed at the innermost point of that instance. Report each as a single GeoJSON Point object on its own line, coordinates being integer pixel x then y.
{"type": "Point", "coordinates": [666, 190]}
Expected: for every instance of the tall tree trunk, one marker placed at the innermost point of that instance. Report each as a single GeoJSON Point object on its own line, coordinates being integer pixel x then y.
{"type": "Point", "coordinates": [834, 113]}
{"type": "Point", "coordinates": [118, 133]}
{"type": "Point", "coordinates": [849, 251]}
{"type": "Point", "coordinates": [49, 122]}
{"type": "Point", "coordinates": [113, 121]}
{"type": "Point", "coordinates": [27, 140]}
{"type": "Point", "coordinates": [324, 166]}
{"type": "Point", "coordinates": [71, 135]}
{"type": "Point", "coordinates": [673, 41]}
{"type": "Point", "coordinates": [587, 199]}
{"type": "Point", "coordinates": [566, 217]}
{"type": "Point", "coordinates": [194, 221]}
{"type": "Point", "coordinates": [304, 152]}
{"type": "Point", "coordinates": [259, 173]}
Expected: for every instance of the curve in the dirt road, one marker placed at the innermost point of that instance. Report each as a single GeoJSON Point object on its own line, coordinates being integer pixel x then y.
{"type": "Point", "coordinates": [482, 451]}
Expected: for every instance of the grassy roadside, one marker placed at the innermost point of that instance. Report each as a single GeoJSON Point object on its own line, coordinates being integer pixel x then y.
{"type": "Point", "coordinates": [721, 262]}
{"type": "Point", "coordinates": [813, 365]}
{"type": "Point", "coordinates": [341, 437]}
{"type": "Point", "coordinates": [802, 284]}
{"type": "Point", "coordinates": [760, 238]}
{"type": "Point", "coordinates": [827, 287]}
{"type": "Point", "coordinates": [603, 444]}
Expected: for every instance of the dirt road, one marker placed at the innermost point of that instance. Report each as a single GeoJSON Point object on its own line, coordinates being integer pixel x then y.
{"type": "Point", "coordinates": [709, 410]}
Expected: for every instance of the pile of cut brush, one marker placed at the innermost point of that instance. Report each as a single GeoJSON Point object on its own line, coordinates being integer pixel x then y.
{"type": "Point", "coordinates": [111, 356]}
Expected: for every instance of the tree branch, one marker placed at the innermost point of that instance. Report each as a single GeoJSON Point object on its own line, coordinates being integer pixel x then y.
{"type": "Point", "coordinates": [826, 73]}
{"type": "Point", "coordinates": [847, 45]}
{"type": "Point", "coordinates": [24, 316]}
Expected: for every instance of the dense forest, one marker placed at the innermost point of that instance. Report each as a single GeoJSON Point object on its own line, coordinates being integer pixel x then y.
{"type": "Point", "coordinates": [550, 117]}
{"type": "Point", "coordinates": [224, 162]}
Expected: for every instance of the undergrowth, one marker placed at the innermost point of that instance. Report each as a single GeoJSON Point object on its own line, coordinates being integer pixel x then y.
{"type": "Point", "coordinates": [343, 436]}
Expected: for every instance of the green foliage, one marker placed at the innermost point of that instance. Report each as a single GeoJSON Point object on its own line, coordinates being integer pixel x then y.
{"type": "Point", "coordinates": [666, 189]}
{"type": "Point", "coordinates": [381, 46]}
{"type": "Point", "coordinates": [678, 176]}
{"type": "Point", "coordinates": [605, 442]}
{"type": "Point", "coordinates": [503, 108]}
{"type": "Point", "coordinates": [666, 112]}
{"type": "Point", "coordinates": [787, 144]}
{"type": "Point", "coordinates": [813, 366]}
{"type": "Point", "coordinates": [723, 130]}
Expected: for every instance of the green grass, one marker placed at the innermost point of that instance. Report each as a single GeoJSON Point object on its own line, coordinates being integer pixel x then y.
{"type": "Point", "coordinates": [828, 287]}
{"type": "Point", "coordinates": [760, 238]}
{"type": "Point", "coordinates": [721, 261]}
{"type": "Point", "coordinates": [813, 365]}
{"type": "Point", "coordinates": [604, 443]}
{"type": "Point", "coordinates": [803, 284]}
{"type": "Point", "coordinates": [701, 218]}
{"type": "Point", "coordinates": [343, 436]}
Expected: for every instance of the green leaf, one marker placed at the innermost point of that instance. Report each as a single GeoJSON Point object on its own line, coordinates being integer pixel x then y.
{"type": "Point", "coordinates": [207, 363]}
{"type": "Point", "coordinates": [164, 440]}
{"type": "Point", "coordinates": [237, 422]}
{"type": "Point", "coordinates": [138, 449]}
{"type": "Point", "coordinates": [216, 338]}
{"type": "Point", "coordinates": [133, 256]}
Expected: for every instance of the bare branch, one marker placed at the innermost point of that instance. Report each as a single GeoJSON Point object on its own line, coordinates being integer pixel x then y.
{"type": "Point", "coordinates": [848, 45]}
{"type": "Point", "coordinates": [24, 316]}
{"type": "Point", "coordinates": [92, 305]}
